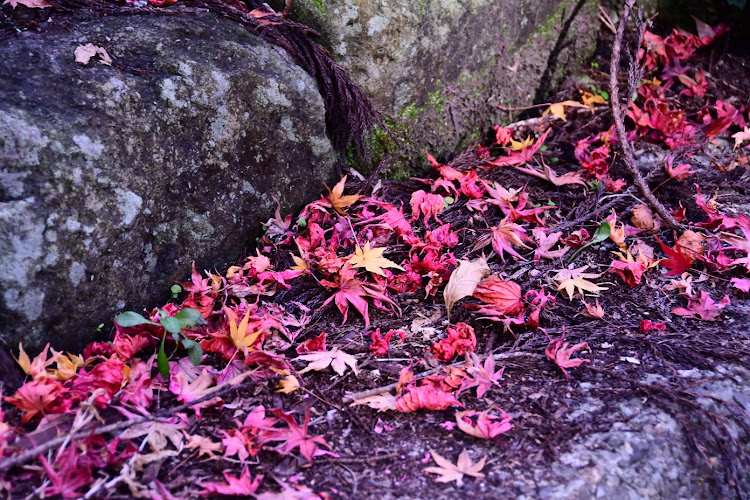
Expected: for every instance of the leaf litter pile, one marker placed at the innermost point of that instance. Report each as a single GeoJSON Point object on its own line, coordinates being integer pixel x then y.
{"type": "Point", "coordinates": [393, 337]}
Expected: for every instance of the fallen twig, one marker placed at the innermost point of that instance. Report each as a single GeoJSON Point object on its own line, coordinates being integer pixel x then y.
{"type": "Point", "coordinates": [627, 148]}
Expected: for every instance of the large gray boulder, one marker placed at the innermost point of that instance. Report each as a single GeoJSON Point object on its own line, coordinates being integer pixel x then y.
{"type": "Point", "coordinates": [113, 179]}
{"type": "Point", "coordinates": [444, 64]}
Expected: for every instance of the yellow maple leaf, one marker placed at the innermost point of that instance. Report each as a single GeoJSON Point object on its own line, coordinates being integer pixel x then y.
{"type": "Point", "coordinates": [299, 264]}
{"type": "Point", "coordinates": [238, 333]}
{"type": "Point", "coordinates": [558, 109]}
{"type": "Point", "coordinates": [521, 145]}
{"type": "Point", "coordinates": [337, 198]}
{"type": "Point", "coordinates": [590, 99]}
{"type": "Point", "coordinates": [571, 280]}
{"type": "Point", "coordinates": [288, 384]}
{"type": "Point", "coordinates": [372, 259]}
{"type": "Point", "coordinates": [67, 365]}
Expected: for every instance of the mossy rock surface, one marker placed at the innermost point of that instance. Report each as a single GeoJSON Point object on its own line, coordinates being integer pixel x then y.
{"type": "Point", "coordinates": [114, 178]}
{"type": "Point", "coordinates": [444, 64]}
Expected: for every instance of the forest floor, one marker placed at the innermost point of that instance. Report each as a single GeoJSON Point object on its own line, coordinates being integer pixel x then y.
{"type": "Point", "coordinates": [657, 329]}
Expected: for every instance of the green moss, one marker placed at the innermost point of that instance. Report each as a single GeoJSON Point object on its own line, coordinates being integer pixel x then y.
{"type": "Point", "coordinates": [320, 5]}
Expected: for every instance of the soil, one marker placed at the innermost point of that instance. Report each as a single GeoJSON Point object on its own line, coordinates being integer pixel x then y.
{"type": "Point", "coordinates": [659, 415]}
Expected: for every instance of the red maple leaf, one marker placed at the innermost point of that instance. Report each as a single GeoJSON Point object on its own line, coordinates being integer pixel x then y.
{"type": "Point", "coordinates": [518, 157]}
{"type": "Point", "coordinates": [677, 261]}
{"type": "Point", "coordinates": [381, 344]}
{"type": "Point", "coordinates": [461, 340]}
{"type": "Point", "coordinates": [504, 296]}
{"type": "Point", "coordinates": [354, 291]}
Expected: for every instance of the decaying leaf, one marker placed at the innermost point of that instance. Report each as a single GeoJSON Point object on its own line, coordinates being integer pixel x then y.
{"type": "Point", "coordinates": [32, 4]}
{"type": "Point", "coordinates": [558, 109]}
{"type": "Point", "coordinates": [449, 472]}
{"type": "Point", "coordinates": [84, 53]}
{"type": "Point", "coordinates": [464, 281]}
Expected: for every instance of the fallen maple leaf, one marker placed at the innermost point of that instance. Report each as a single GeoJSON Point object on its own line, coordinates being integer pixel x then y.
{"type": "Point", "coordinates": [702, 307]}
{"type": "Point", "coordinates": [550, 175]}
{"type": "Point", "coordinates": [504, 296]}
{"type": "Point", "coordinates": [591, 100]}
{"type": "Point", "coordinates": [244, 485]}
{"type": "Point", "coordinates": [425, 397]}
{"type": "Point", "coordinates": [204, 445]}
{"type": "Point", "coordinates": [335, 358]}
{"type": "Point", "coordinates": [678, 261]}
{"type": "Point", "coordinates": [32, 4]}
{"type": "Point", "coordinates": [521, 145]}
{"type": "Point", "coordinates": [571, 280]}
{"type": "Point", "coordinates": [642, 218]}
{"type": "Point", "coordinates": [559, 353]}
{"type": "Point", "coordinates": [296, 436]}
{"type": "Point", "coordinates": [337, 198]}
{"type": "Point", "coordinates": [558, 109]}
{"type": "Point", "coordinates": [464, 281]}
{"type": "Point", "coordinates": [460, 340]}
{"type": "Point", "coordinates": [449, 472]}
{"type": "Point", "coordinates": [372, 259]}
{"type": "Point", "coordinates": [593, 311]}
{"type": "Point", "coordinates": [426, 203]}
{"type": "Point", "coordinates": [741, 137]}
{"type": "Point", "coordinates": [741, 284]}
{"type": "Point", "coordinates": [380, 402]}
{"type": "Point", "coordinates": [483, 424]}
{"type": "Point", "coordinates": [483, 376]}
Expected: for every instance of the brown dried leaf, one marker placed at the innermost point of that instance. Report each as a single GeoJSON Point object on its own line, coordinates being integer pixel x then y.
{"type": "Point", "coordinates": [464, 281]}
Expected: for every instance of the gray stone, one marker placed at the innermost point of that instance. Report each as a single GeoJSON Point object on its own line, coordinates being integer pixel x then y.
{"type": "Point", "coordinates": [113, 179]}
{"type": "Point", "coordinates": [445, 64]}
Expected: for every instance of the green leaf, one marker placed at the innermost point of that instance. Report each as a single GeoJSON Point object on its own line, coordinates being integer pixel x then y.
{"type": "Point", "coordinates": [175, 289]}
{"type": "Point", "coordinates": [190, 317]}
{"type": "Point", "coordinates": [161, 360]}
{"type": "Point", "coordinates": [131, 318]}
{"type": "Point", "coordinates": [302, 222]}
{"type": "Point", "coordinates": [171, 324]}
{"type": "Point", "coordinates": [195, 351]}
{"type": "Point", "coordinates": [601, 234]}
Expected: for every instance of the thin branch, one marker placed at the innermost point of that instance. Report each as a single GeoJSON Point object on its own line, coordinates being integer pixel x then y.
{"type": "Point", "coordinates": [627, 148]}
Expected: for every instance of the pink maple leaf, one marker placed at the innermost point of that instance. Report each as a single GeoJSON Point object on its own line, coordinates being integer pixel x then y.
{"type": "Point", "coordinates": [426, 203]}
{"type": "Point", "coordinates": [702, 307]}
{"type": "Point", "coordinates": [244, 485]}
{"type": "Point", "coordinates": [483, 424]}
{"type": "Point", "coordinates": [559, 353]}
{"type": "Point", "coordinates": [295, 436]}
{"type": "Point", "coordinates": [483, 376]}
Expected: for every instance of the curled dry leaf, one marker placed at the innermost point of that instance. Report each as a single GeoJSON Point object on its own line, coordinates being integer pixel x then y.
{"type": "Point", "coordinates": [449, 472]}
{"type": "Point", "coordinates": [642, 218]}
{"type": "Point", "coordinates": [464, 281]}
{"type": "Point", "coordinates": [425, 397]}
{"type": "Point", "coordinates": [84, 53]}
